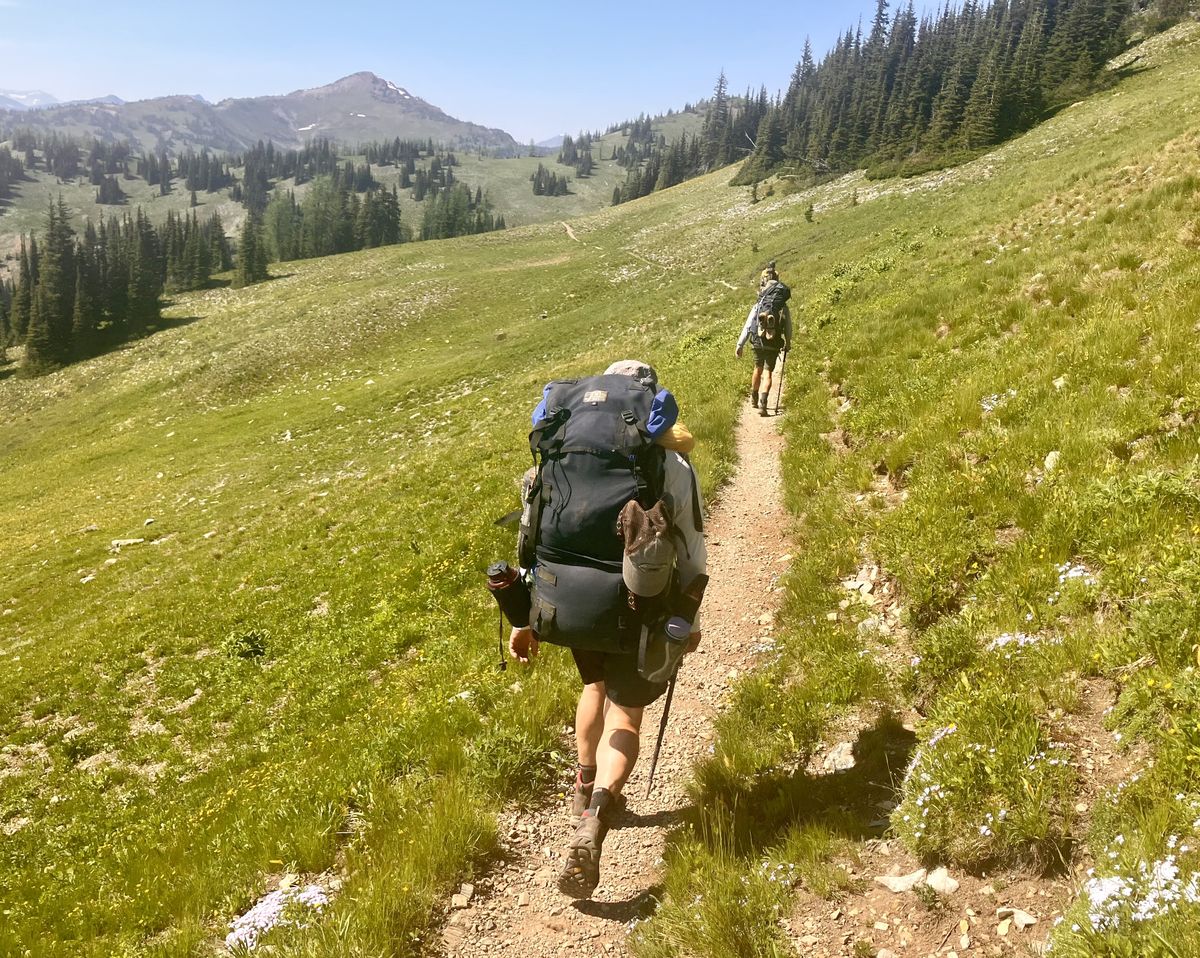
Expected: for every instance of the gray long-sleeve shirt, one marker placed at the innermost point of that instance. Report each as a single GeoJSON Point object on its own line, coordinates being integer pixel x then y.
{"type": "Point", "coordinates": [691, 554]}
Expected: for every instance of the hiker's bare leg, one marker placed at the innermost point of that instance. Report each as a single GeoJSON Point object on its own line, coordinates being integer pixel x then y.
{"type": "Point", "coordinates": [767, 370]}
{"type": "Point", "coordinates": [619, 746]}
{"type": "Point", "coordinates": [755, 378]}
{"type": "Point", "coordinates": [589, 722]}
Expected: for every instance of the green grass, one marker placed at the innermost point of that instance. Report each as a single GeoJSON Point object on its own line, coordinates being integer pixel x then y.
{"type": "Point", "coordinates": [506, 181]}
{"type": "Point", "coordinates": [25, 211]}
{"type": "Point", "coordinates": [296, 669]}
{"type": "Point", "coordinates": [1015, 343]}
{"type": "Point", "coordinates": [295, 672]}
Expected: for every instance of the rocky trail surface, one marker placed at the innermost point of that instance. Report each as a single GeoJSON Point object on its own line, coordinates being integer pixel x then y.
{"type": "Point", "coordinates": [516, 908]}
{"type": "Point", "coordinates": [891, 906]}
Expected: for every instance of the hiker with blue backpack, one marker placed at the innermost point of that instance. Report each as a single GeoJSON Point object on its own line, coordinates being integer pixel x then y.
{"type": "Point", "coordinates": [612, 566]}
{"type": "Point", "coordinates": [768, 328]}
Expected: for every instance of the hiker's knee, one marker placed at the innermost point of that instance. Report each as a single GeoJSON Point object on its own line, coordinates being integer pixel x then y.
{"type": "Point", "coordinates": [624, 717]}
{"type": "Point", "coordinates": [594, 696]}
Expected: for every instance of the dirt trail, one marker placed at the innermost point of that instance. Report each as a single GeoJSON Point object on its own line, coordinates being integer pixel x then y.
{"type": "Point", "coordinates": [516, 909]}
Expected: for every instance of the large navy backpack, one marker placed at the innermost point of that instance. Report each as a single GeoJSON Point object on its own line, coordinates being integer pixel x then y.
{"type": "Point", "coordinates": [594, 450]}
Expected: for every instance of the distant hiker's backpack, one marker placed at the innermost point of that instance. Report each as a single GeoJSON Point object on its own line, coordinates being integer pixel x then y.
{"type": "Point", "coordinates": [770, 331]}
{"type": "Point", "coordinates": [769, 327]}
{"type": "Point", "coordinates": [594, 451]}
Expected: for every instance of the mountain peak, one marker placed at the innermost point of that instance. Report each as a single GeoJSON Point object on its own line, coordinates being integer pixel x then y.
{"type": "Point", "coordinates": [362, 82]}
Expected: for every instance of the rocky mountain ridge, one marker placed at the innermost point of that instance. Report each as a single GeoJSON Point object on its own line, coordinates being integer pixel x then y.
{"type": "Point", "coordinates": [356, 108]}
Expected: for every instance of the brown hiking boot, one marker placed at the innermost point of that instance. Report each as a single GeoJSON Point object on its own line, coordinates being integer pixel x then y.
{"type": "Point", "coordinates": [581, 870]}
{"type": "Point", "coordinates": [583, 792]}
{"type": "Point", "coordinates": [582, 798]}
{"type": "Point", "coordinates": [763, 410]}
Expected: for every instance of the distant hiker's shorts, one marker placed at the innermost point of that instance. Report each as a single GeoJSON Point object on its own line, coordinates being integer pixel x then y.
{"type": "Point", "coordinates": [765, 357]}
{"type": "Point", "coordinates": [619, 673]}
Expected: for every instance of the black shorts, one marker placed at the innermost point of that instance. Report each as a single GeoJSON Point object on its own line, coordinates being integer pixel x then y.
{"type": "Point", "coordinates": [765, 357]}
{"type": "Point", "coordinates": [619, 673]}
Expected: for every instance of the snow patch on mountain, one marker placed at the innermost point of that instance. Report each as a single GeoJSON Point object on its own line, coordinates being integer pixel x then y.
{"type": "Point", "coordinates": [28, 99]}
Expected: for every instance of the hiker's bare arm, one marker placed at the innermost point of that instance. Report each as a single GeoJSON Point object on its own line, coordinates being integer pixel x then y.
{"type": "Point", "coordinates": [693, 642]}
{"type": "Point", "coordinates": [523, 644]}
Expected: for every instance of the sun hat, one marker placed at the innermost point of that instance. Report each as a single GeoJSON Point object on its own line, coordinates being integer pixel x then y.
{"type": "Point", "coordinates": [649, 557]}
{"type": "Point", "coordinates": [643, 372]}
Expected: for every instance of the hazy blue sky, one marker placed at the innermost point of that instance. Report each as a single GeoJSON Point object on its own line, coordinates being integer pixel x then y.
{"type": "Point", "coordinates": [534, 69]}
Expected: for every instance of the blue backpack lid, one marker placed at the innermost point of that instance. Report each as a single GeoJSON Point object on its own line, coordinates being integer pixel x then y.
{"type": "Point", "coordinates": [539, 412]}
{"type": "Point", "coordinates": [664, 411]}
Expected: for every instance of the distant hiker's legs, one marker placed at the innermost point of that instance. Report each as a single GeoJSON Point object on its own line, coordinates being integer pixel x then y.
{"type": "Point", "coordinates": [768, 365]}
{"type": "Point", "coordinates": [619, 746]}
{"type": "Point", "coordinates": [755, 379]}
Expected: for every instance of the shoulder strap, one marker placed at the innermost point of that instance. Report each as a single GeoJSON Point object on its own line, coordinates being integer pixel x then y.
{"type": "Point", "coordinates": [697, 512]}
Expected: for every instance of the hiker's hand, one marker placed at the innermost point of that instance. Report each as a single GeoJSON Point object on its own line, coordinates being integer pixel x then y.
{"type": "Point", "coordinates": [738, 352]}
{"type": "Point", "coordinates": [523, 644]}
{"type": "Point", "coordinates": [693, 642]}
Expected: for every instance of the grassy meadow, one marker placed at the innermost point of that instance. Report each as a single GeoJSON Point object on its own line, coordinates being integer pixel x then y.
{"type": "Point", "coordinates": [994, 404]}
{"type": "Point", "coordinates": [506, 181]}
{"type": "Point", "coordinates": [242, 628]}
{"type": "Point", "coordinates": [291, 666]}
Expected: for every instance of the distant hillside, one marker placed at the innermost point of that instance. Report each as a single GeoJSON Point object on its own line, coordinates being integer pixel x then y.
{"type": "Point", "coordinates": [25, 99]}
{"type": "Point", "coordinates": [356, 108]}
{"type": "Point", "coordinates": [506, 179]}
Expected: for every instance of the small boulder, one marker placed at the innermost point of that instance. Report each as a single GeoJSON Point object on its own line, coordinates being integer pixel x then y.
{"type": "Point", "coordinates": [840, 758]}
{"type": "Point", "coordinates": [901, 883]}
{"type": "Point", "coordinates": [1022, 919]}
{"type": "Point", "coordinates": [940, 881]}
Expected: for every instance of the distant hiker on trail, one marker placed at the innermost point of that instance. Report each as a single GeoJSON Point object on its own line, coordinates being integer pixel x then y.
{"type": "Point", "coordinates": [769, 274]}
{"type": "Point", "coordinates": [768, 327]}
{"type": "Point", "coordinates": [612, 528]}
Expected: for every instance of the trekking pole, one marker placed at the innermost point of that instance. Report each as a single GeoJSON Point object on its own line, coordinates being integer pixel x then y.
{"type": "Point", "coordinates": [662, 731]}
{"type": "Point", "coordinates": [779, 394]}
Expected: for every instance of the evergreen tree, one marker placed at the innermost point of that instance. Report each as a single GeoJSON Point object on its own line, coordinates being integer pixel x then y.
{"type": "Point", "coordinates": [220, 258]}
{"type": "Point", "coordinates": [5, 328]}
{"type": "Point", "coordinates": [251, 254]}
{"type": "Point", "coordinates": [716, 124]}
{"type": "Point", "coordinates": [40, 347]}
{"type": "Point", "coordinates": [145, 276]}
{"type": "Point", "coordinates": [22, 301]}
{"type": "Point", "coordinates": [54, 291]}
{"type": "Point", "coordinates": [84, 324]}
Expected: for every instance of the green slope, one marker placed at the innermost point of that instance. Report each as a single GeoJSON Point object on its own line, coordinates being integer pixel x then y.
{"type": "Point", "coordinates": [322, 456]}
{"type": "Point", "coordinates": [996, 405]}
{"type": "Point", "coordinates": [505, 180]}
